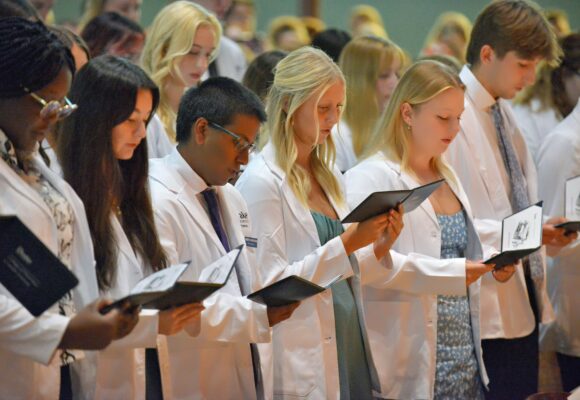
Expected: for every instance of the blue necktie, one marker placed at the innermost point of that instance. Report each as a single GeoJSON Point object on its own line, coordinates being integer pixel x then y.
{"type": "Point", "coordinates": [211, 200]}
{"type": "Point", "coordinates": [519, 198]}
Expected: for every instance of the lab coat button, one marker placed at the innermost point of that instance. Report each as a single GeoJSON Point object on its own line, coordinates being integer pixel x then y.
{"type": "Point", "coordinates": [434, 234]}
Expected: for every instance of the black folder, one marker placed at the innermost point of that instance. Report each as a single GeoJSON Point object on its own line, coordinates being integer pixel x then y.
{"type": "Point", "coordinates": [29, 270]}
{"type": "Point", "coordinates": [570, 226]}
{"type": "Point", "coordinates": [180, 291]}
{"type": "Point", "coordinates": [511, 256]}
{"type": "Point", "coordinates": [289, 290]}
{"type": "Point", "coordinates": [381, 202]}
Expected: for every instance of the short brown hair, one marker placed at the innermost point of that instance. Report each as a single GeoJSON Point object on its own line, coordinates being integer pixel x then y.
{"type": "Point", "coordinates": [513, 25]}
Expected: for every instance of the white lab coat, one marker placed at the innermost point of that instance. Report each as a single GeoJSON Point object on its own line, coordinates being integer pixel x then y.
{"type": "Point", "coordinates": [505, 308]}
{"type": "Point", "coordinates": [230, 60]}
{"type": "Point", "coordinates": [535, 124]}
{"type": "Point", "coordinates": [303, 354]}
{"type": "Point", "coordinates": [121, 366]}
{"type": "Point", "coordinates": [217, 364]}
{"type": "Point", "coordinates": [559, 160]}
{"type": "Point", "coordinates": [342, 138]}
{"type": "Point", "coordinates": [158, 143]}
{"type": "Point", "coordinates": [402, 311]}
{"type": "Point", "coordinates": [30, 366]}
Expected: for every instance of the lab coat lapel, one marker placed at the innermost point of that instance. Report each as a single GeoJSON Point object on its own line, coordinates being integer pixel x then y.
{"type": "Point", "coordinates": [301, 213]}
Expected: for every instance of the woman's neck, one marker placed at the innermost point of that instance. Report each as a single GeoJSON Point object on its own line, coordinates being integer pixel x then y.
{"type": "Point", "coordinates": [422, 166]}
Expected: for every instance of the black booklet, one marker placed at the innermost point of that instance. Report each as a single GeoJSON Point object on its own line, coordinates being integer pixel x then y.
{"type": "Point", "coordinates": [521, 235]}
{"type": "Point", "coordinates": [29, 270]}
{"type": "Point", "coordinates": [291, 289]}
{"type": "Point", "coordinates": [571, 205]}
{"type": "Point", "coordinates": [381, 202]}
{"type": "Point", "coordinates": [180, 284]}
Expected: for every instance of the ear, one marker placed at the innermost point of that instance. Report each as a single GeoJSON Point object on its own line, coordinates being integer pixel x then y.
{"type": "Point", "coordinates": [407, 113]}
{"type": "Point", "coordinates": [199, 131]}
{"type": "Point", "coordinates": [486, 54]}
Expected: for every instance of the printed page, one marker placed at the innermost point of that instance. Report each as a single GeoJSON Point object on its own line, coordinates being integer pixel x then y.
{"type": "Point", "coordinates": [523, 230]}
{"type": "Point", "coordinates": [161, 280]}
{"type": "Point", "coordinates": [573, 199]}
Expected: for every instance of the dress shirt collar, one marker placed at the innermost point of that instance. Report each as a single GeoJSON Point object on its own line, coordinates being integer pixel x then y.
{"type": "Point", "coordinates": [187, 173]}
{"type": "Point", "coordinates": [480, 97]}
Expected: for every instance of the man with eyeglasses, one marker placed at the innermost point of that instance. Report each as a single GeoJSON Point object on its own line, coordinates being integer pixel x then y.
{"type": "Point", "coordinates": [199, 217]}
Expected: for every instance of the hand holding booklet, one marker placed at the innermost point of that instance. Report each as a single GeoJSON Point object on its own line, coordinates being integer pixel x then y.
{"type": "Point", "coordinates": [289, 290]}
{"type": "Point", "coordinates": [378, 203]}
{"type": "Point", "coordinates": [521, 235]}
{"type": "Point", "coordinates": [29, 270]}
{"type": "Point", "coordinates": [180, 284]}
{"type": "Point", "coordinates": [572, 205]}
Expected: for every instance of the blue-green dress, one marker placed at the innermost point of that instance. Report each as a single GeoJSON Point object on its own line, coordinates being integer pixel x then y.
{"type": "Point", "coordinates": [457, 371]}
{"type": "Point", "coordinates": [353, 368]}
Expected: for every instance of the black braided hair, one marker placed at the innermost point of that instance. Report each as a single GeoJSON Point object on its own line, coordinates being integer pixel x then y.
{"type": "Point", "coordinates": [30, 56]}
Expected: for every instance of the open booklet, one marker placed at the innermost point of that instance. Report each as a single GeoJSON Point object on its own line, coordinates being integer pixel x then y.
{"type": "Point", "coordinates": [521, 234]}
{"type": "Point", "coordinates": [381, 202]}
{"type": "Point", "coordinates": [291, 289]}
{"type": "Point", "coordinates": [29, 270]}
{"type": "Point", "coordinates": [180, 284]}
{"type": "Point", "coordinates": [572, 205]}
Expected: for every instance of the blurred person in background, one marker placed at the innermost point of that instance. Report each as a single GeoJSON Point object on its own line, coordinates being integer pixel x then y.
{"type": "Point", "coordinates": [114, 34]}
{"type": "Point", "coordinates": [540, 107]}
{"type": "Point", "coordinates": [449, 36]}
{"type": "Point", "coordinates": [128, 8]}
{"type": "Point", "coordinates": [287, 33]}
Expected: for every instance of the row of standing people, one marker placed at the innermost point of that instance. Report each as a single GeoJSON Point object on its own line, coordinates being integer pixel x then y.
{"type": "Point", "coordinates": [325, 203]}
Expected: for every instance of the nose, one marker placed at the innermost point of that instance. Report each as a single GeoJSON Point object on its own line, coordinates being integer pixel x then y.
{"type": "Point", "coordinates": [203, 62]}
{"type": "Point", "coordinates": [333, 116]}
{"type": "Point", "coordinates": [243, 157]}
{"type": "Point", "coordinates": [142, 130]}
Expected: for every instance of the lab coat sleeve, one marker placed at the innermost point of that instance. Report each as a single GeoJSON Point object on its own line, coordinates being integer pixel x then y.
{"type": "Point", "coordinates": [231, 318]}
{"type": "Point", "coordinates": [269, 227]}
{"type": "Point", "coordinates": [22, 334]}
{"type": "Point", "coordinates": [413, 273]}
{"type": "Point", "coordinates": [420, 274]}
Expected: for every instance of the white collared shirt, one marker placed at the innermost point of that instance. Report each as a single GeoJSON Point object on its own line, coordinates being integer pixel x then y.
{"type": "Point", "coordinates": [476, 158]}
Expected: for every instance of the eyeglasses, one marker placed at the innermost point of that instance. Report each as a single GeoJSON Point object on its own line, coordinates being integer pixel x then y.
{"type": "Point", "coordinates": [53, 107]}
{"type": "Point", "coordinates": [241, 143]}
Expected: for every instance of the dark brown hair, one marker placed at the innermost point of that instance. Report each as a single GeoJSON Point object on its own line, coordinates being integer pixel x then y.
{"type": "Point", "coordinates": [105, 90]}
{"type": "Point", "coordinates": [513, 25]}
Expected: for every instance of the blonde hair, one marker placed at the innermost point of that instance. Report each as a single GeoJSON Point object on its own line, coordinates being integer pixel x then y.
{"type": "Point", "coordinates": [559, 20]}
{"type": "Point", "coordinates": [304, 73]}
{"type": "Point", "coordinates": [361, 62]}
{"type": "Point", "coordinates": [287, 23]}
{"type": "Point", "coordinates": [450, 23]}
{"type": "Point", "coordinates": [169, 40]}
{"type": "Point", "coordinates": [421, 82]}
{"type": "Point", "coordinates": [368, 15]}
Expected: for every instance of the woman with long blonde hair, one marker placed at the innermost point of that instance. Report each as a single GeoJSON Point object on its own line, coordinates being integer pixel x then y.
{"type": "Point", "coordinates": [371, 67]}
{"type": "Point", "coordinates": [432, 301]}
{"type": "Point", "coordinates": [180, 45]}
{"type": "Point", "coordinates": [296, 202]}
